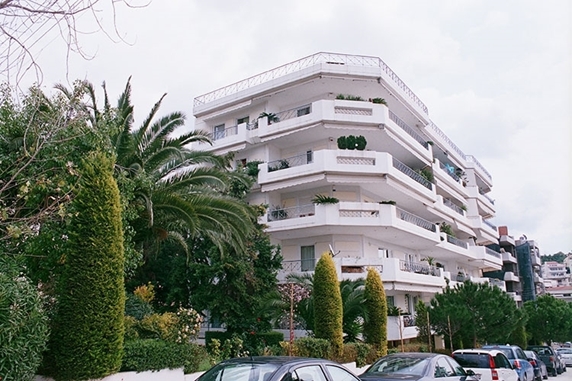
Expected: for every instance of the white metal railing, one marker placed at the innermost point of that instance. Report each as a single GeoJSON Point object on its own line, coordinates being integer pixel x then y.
{"type": "Point", "coordinates": [299, 265]}
{"type": "Point", "coordinates": [279, 213]}
{"type": "Point", "coordinates": [482, 193]}
{"type": "Point", "coordinates": [492, 252]}
{"type": "Point", "coordinates": [293, 113]}
{"type": "Point", "coordinates": [293, 161]}
{"type": "Point", "coordinates": [416, 220]}
{"type": "Point", "coordinates": [448, 171]}
{"type": "Point", "coordinates": [408, 129]}
{"type": "Point", "coordinates": [446, 139]}
{"type": "Point", "coordinates": [473, 159]}
{"type": "Point", "coordinates": [323, 57]}
{"type": "Point", "coordinates": [453, 206]}
{"type": "Point", "coordinates": [411, 173]}
{"type": "Point", "coordinates": [457, 242]}
{"type": "Point", "coordinates": [220, 134]}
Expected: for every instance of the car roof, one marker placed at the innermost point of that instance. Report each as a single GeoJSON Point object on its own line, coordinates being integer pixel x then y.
{"type": "Point", "coordinates": [491, 351]}
{"type": "Point", "coordinates": [492, 346]}
{"type": "Point", "coordinates": [278, 360]}
{"type": "Point", "coordinates": [415, 354]}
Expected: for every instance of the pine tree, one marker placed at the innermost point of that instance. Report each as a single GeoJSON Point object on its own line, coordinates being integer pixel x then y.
{"type": "Point", "coordinates": [87, 338]}
{"type": "Point", "coordinates": [328, 314]}
{"type": "Point", "coordinates": [375, 326]}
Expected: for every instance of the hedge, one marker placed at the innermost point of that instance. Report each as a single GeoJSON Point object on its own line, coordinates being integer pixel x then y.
{"type": "Point", "coordinates": [151, 354]}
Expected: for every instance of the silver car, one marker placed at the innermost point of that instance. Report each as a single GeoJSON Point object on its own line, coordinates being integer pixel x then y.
{"type": "Point", "coordinates": [566, 355]}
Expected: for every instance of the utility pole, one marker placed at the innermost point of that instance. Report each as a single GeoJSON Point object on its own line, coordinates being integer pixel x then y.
{"type": "Point", "coordinates": [450, 333]}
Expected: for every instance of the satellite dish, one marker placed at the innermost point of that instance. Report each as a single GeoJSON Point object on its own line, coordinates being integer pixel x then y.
{"type": "Point", "coordinates": [332, 251]}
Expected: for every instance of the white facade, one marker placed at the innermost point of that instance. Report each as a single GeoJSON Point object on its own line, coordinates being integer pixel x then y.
{"type": "Point", "coordinates": [388, 216]}
{"type": "Point", "coordinates": [555, 274]}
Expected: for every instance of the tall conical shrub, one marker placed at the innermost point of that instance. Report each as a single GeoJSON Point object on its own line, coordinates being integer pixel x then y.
{"type": "Point", "coordinates": [328, 314]}
{"type": "Point", "coordinates": [375, 326]}
{"type": "Point", "coordinates": [87, 338]}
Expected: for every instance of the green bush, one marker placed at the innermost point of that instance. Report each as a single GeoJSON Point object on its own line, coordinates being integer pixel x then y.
{"type": "Point", "coordinates": [136, 307]}
{"type": "Point", "coordinates": [151, 354]}
{"type": "Point", "coordinates": [312, 347]}
{"type": "Point", "coordinates": [23, 327]}
{"type": "Point", "coordinates": [375, 326]}
{"type": "Point", "coordinates": [87, 337]}
{"type": "Point", "coordinates": [342, 142]}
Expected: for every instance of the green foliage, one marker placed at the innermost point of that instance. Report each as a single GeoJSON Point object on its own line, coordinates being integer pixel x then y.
{"type": "Point", "coordinates": [361, 143]}
{"type": "Point", "coordinates": [328, 314]}
{"type": "Point", "coordinates": [150, 354]}
{"type": "Point", "coordinates": [422, 322]}
{"type": "Point", "coordinates": [379, 101]}
{"type": "Point", "coordinates": [519, 336]}
{"type": "Point", "coordinates": [426, 173]}
{"type": "Point", "coordinates": [232, 346]}
{"type": "Point", "coordinates": [352, 293]}
{"type": "Point", "coordinates": [476, 314]}
{"type": "Point", "coordinates": [272, 117]}
{"type": "Point", "coordinates": [352, 142]}
{"type": "Point", "coordinates": [136, 307]}
{"type": "Point", "coordinates": [87, 339]}
{"type": "Point", "coordinates": [314, 347]}
{"type": "Point", "coordinates": [23, 325]}
{"type": "Point", "coordinates": [549, 319]}
{"type": "Point", "coordinates": [349, 97]}
{"type": "Point", "coordinates": [558, 257]}
{"type": "Point", "coordinates": [342, 142]}
{"type": "Point", "coordinates": [375, 326]}
{"type": "Point", "coordinates": [323, 199]}
{"type": "Point", "coordinates": [447, 229]}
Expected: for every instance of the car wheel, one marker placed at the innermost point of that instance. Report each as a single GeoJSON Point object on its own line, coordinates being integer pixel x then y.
{"type": "Point", "coordinates": [554, 373]}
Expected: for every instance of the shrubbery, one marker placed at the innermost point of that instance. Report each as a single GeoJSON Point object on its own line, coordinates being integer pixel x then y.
{"type": "Point", "coordinates": [23, 327]}
{"type": "Point", "coordinates": [150, 354]}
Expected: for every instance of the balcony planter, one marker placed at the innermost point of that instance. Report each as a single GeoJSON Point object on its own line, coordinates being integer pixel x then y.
{"type": "Point", "coordinates": [461, 276]}
{"type": "Point", "coordinates": [379, 101]}
{"type": "Point", "coordinates": [321, 199]}
{"type": "Point", "coordinates": [272, 117]}
{"type": "Point", "coordinates": [352, 142]}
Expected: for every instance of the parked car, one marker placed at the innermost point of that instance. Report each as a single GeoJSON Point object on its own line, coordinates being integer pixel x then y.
{"type": "Point", "coordinates": [415, 366]}
{"type": "Point", "coordinates": [549, 357]}
{"type": "Point", "coordinates": [277, 368]}
{"type": "Point", "coordinates": [518, 359]}
{"type": "Point", "coordinates": [566, 355]}
{"type": "Point", "coordinates": [490, 364]}
{"type": "Point", "coordinates": [540, 370]}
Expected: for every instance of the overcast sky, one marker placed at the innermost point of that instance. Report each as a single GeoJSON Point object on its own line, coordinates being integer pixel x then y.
{"type": "Point", "coordinates": [495, 75]}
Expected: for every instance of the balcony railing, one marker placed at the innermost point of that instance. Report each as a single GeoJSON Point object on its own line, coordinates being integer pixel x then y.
{"type": "Point", "coordinates": [453, 206]}
{"type": "Point", "coordinates": [327, 58]}
{"type": "Point", "coordinates": [416, 220]}
{"type": "Point", "coordinates": [482, 193]}
{"type": "Point", "coordinates": [220, 134]}
{"type": "Point", "coordinates": [457, 242]}
{"type": "Point", "coordinates": [450, 170]}
{"type": "Point", "coordinates": [446, 139]}
{"type": "Point", "coordinates": [293, 113]}
{"type": "Point", "coordinates": [293, 161]}
{"type": "Point", "coordinates": [300, 265]}
{"type": "Point", "coordinates": [419, 268]}
{"type": "Point", "coordinates": [492, 252]}
{"type": "Point", "coordinates": [278, 213]}
{"type": "Point", "coordinates": [411, 173]}
{"type": "Point", "coordinates": [473, 159]}
{"type": "Point", "coordinates": [405, 127]}
{"type": "Point", "coordinates": [490, 224]}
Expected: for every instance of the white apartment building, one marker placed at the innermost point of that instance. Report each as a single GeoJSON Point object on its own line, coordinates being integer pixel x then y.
{"type": "Point", "coordinates": [420, 234]}
{"type": "Point", "coordinates": [554, 274]}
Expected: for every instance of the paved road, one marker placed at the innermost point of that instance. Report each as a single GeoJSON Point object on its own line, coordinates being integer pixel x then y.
{"type": "Point", "coordinates": [566, 376]}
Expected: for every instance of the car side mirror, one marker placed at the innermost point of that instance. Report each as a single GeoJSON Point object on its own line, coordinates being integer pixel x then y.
{"type": "Point", "coordinates": [470, 372]}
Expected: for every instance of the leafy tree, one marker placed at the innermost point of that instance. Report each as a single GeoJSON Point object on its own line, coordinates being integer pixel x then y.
{"type": "Point", "coordinates": [328, 314]}
{"type": "Point", "coordinates": [375, 326]}
{"type": "Point", "coordinates": [549, 319]}
{"type": "Point", "coordinates": [473, 313]}
{"type": "Point", "coordinates": [422, 323]}
{"type": "Point", "coordinates": [23, 323]}
{"type": "Point", "coordinates": [87, 339]}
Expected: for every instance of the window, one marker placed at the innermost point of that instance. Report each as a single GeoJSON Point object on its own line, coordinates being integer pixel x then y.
{"type": "Point", "coordinates": [303, 111]}
{"type": "Point", "coordinates": [443, 368]}
{"type": "Point", "coordinates": [383, 253]}
{"type": "Point", "coordinates": [340, 374]}
{"type": "Point", "coordinates": [390, 301]}
{"type": "Point", "coordinates": [309, 373]}
{"type": "Point", "coordinates": [308, 258]}
{"type": "Point", "coordinates": [218, 132]}
{"type": "Point", "coordinates": [246, 119]}
{"type": "Point", "coordinates": [309, 157]}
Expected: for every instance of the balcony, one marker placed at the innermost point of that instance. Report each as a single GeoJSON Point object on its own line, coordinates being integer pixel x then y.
{"type": "Point", "coordinates": [377, 172]}
{"type": "Point", "coordinates": [497, 282]}
{"type": "Point", "coordinates": [508, 258]}
{"type": "Point", "coordinates": [535, 260]}
{"type": "Point", "coordinates": [509, 276]}
{"type": "Point", "coordinates": [412, 276]}
{"type": "Point", "coordinates": [485, 207]}
{"type": "Point", "coordinates": [485, 232]}
{"type": "Point", "coordinates": [401, 327]}
{"type": "Point", "coordinates": [349, 268]}
{"type": "Point", "coordinates": [448, 180]}
{"type": "Point", "coordinates": [515, 296]}
{"type": "Point", "coordinates": [487, 257]}
{"type": "Point", "coordinates": [382, 221]}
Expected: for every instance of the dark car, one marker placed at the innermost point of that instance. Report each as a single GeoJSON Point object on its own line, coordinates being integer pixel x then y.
{"type": "Point", "coordinates": [414, 366]}
{"type": "Point", "coordinates": [540, 370]}
{"type": "Point", "coordinates": [277, 368]}
{"type": "Point", "coordinates": [518, 359]}
{"type": "Point", "coordinates": [549, 357]}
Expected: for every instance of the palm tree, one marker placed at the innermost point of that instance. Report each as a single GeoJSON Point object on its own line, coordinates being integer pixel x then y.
{"type": "Point", "coordinates": [353, 308]}
{"type": "Point", "coordinates": [178, 193]}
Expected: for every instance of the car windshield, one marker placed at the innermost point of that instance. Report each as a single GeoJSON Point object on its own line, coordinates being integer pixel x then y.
{"type": "Point", "coordinates": [407, 365]}
{"type": "Point", "coordinates": [247, 371]}
{"type": "Point", "coordinates": [506, 351]}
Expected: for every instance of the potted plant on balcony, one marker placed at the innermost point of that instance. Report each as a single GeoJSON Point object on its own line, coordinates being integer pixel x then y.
{"type": "Point", "coordinates": [321, 199]}
{"type": "Point", "coordinates": [278, 213]}
{"type": "Point", "coordinates": [447, 229]}
{"type": "Point", "coordinates": [379, 101]}
{"type": "Point", "coordinates": [272, 117]}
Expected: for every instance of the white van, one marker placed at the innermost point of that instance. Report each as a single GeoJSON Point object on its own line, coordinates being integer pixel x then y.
{"type": "Point", "coordinates": [490, 364]}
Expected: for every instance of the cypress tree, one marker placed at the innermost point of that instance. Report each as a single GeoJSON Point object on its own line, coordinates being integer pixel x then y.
{"type": "Point", "coordinates": [87, 339]}
{"type": "Point", "coordinates": [375, 326]}
{"type": "Point", "coordinates": [328, 314]}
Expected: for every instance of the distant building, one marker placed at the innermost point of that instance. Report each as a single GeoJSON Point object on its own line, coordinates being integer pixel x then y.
{"type": "Point", "coordinates": [555, 274]}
